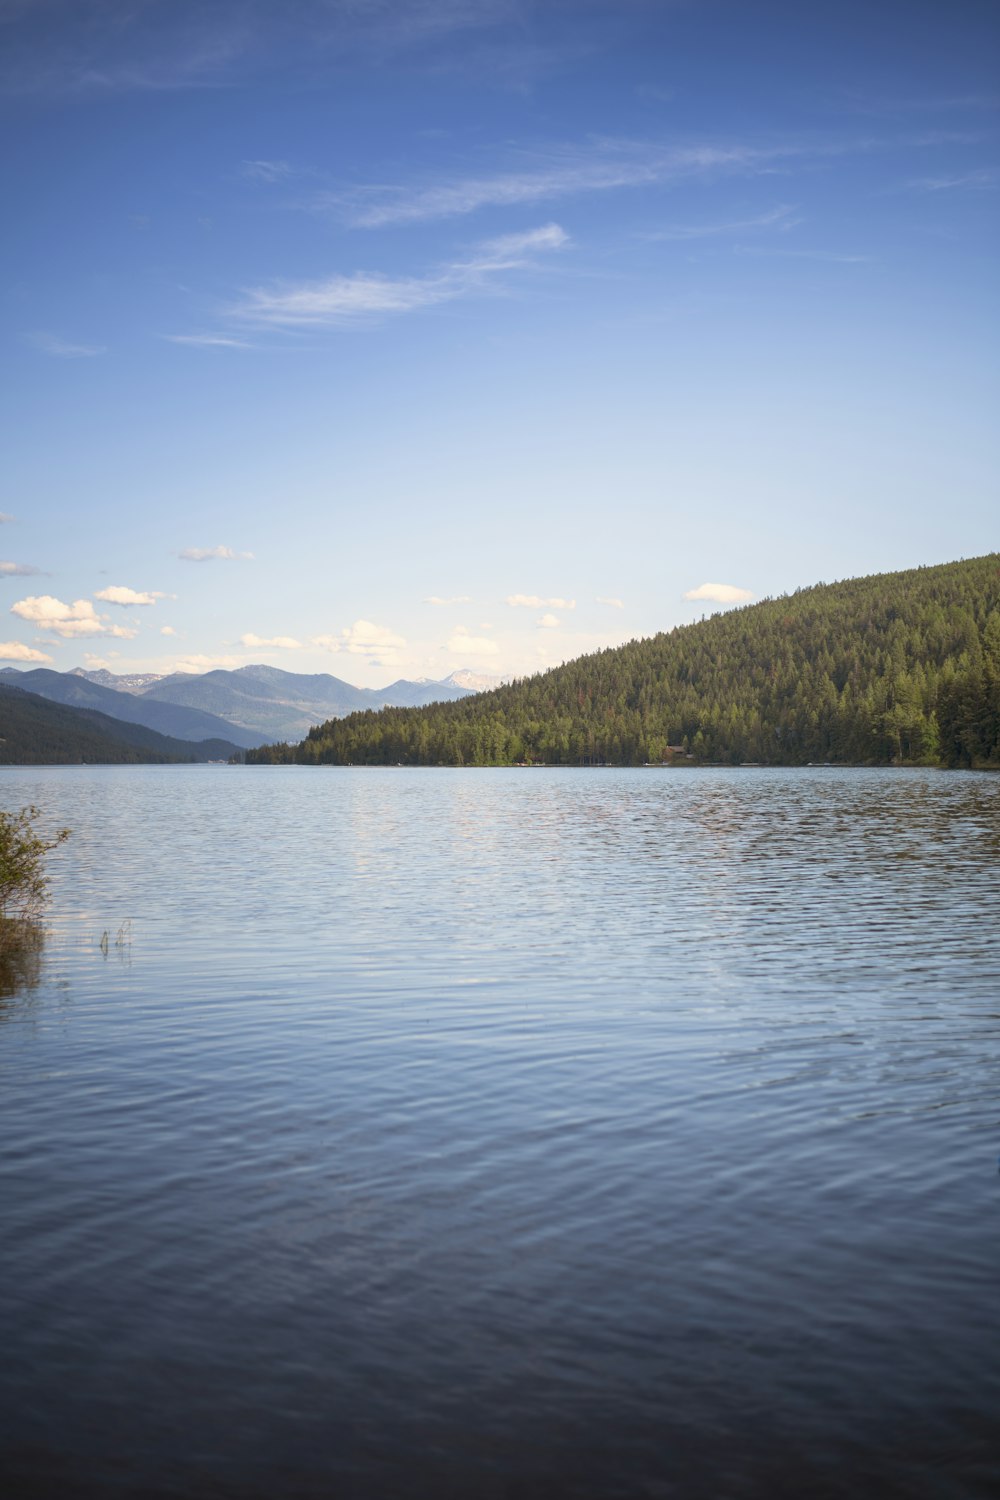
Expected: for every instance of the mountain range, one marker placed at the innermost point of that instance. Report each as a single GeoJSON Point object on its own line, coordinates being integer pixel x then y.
{"type": "Point", "coordinates": [247, 707]}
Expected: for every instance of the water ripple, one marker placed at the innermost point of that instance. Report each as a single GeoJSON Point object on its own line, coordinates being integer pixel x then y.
{"type": "Point", "coordinates": [556, 1133]}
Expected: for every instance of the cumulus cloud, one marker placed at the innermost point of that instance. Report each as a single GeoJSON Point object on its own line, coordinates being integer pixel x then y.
{"type": "Point", "coordinates": [456, 599]}
{"type": "Point", "coordinates": [207, 554]}
{"type": "Point", "coordinates": [207, 663]}
{"type": "Point", "coordinates": [611, 603]}
{"type": "Point", "coordinates": [17, 570]}
{"type": "Point", "coordinates": [119, 594]}
{"type": "Point", "coordinates": [464, 644]}
{"type": "Point", "coordinates": [167, 630]}
{"type": "Point", "coordinates": [720, 593]}
{"type": "Point", "coordinates": [534, 601]}
{"type": "Point", "coordinates": [282, 642]}
{"type": "Point", "coordinates": [68, 620]}
{"type": "Point", "coordinates": [548, 622]}
{"type": "Point", "coordinates": [363, 638]}
{"type": "Point", "coordinates": [14, 651]}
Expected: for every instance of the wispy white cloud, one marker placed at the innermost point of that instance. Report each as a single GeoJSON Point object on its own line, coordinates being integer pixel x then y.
{"type": "Point", "coordinates": [59, 348]}
{"type": "Point", "coordinates": [281, 642]}
{"type": "Point", "coordinates": [781, 218]}
{"type": "Point", "coordinates": [463, 643]}
{"type": "Point", "coordinates": [18, 570]}
{"type": "Point", "coordinates": [981, 178]}
{"type": "Point", "coordinates": [67, 620]}
{"type": "Point", "coordinates": [267, 171]}
{"type": "Point", "coordinates": [534, 601]}
{"type": "Point", "coordinates": [719, 593]}
{"type": "Point", "coordinates": [834, 257]}
{"type": "Point", "coordinates": [206, 340]}
{"type": "Point", "coordinates": [14, 651]}
{"type": "Point", "coordinates": [106, 46]}
{"type": "Point", "coordinates": [4, 517]}
{"type": "Point", "coordinates": [119, 594]}
{"type": "Point", "coordinates": [340, 299]}
{"type": "Point", "coordinates": [209, 554]}
{"type": "Point", "coordinates": [927, 105]}
{"type": "Point", "coordinates": [611, 603]}
{"type": "Point", "coordinates": [167, 630]}
{"type": "Point", "coordinates": [102, 47]}
{"type": "Point", "coordinates": [548, 622]}
{"type": "Point", "coordinates": [455, 599]}
{"type": "Point", "coordinates": [605, 166]}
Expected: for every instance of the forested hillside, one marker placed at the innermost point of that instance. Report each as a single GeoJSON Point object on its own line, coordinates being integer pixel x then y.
{"type": "Point", "coordinates": [901, 668]}
{"type": "Point", "coordinates": [37, 732]}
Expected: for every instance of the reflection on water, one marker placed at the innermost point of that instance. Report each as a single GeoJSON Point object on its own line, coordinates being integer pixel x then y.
{"type": "Point", "coordinates": [599, 1133]}
{"type": "Point", "coordinates": [21, 944]}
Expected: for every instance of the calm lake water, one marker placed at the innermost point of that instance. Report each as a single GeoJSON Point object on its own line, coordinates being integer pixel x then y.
{"type": "Point", "coordinates": [505, 1134]}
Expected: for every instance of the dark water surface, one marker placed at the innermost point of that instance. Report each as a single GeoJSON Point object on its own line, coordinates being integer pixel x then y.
{"type": "Point", "coordinates": [505, 1134]}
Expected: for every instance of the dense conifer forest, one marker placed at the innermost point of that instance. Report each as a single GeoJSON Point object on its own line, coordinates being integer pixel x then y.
{"type": "Point", "coordinates": [900, 668]}
{"type": "Point", "coordinates": [37, 732]}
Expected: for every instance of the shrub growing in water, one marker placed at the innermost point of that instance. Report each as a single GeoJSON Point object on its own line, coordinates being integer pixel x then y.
{"type": "Point", "coordinates": [23, 882]}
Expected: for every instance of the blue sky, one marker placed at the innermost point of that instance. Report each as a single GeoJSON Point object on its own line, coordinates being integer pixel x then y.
{"type": "Point", "coordinates": [387, 338]}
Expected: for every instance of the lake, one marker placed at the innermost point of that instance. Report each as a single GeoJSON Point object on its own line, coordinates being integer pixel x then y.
{"type": "Point", "coordinates": [504, 1133]}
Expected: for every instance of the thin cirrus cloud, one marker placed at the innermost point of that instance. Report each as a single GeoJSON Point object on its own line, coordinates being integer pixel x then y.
{"type": "Point", "coordinates": [982, 177]}
{"type": "Point", "coordinates": [781, 218]}
{"type": "Point", "coordinates": [535, 601]}
{"type": "Point", "coordinates": [834, 257]}
{"type": "Point", "coordinates": [607, 166]}
{"type": "Point", "coordinates": [342, 299]}
{"type": "Point", "coordinates": [209, 554]}
{"type": "Point", "coordinates": [719, 593]}
{"type": "Point", "coordinates": [610, 602]}
{"type": "Point", "coordinates": [267, 171]}
{"type": "Point", "coordinates": [71, 621]}
{"type": "Point", "coordinates": [58, 348]}
{"type": "Point", "coordinates": [14, 651]}
{"type": "Point", "coordinates": [104, 46]}
{"type": "Point", "coordinates": [18, 570]}
{"type": "Point", "coordinates": [206, 340]}
{"type": "Point", "coordinates": [281, 642]}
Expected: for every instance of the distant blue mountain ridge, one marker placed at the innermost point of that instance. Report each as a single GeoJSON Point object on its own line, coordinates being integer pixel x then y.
{"type": "Point", "coordinates": [249, 706]}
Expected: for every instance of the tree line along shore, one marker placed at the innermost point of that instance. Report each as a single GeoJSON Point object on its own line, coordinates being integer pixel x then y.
{"type": "Point", "coordinates": [898, 668]}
